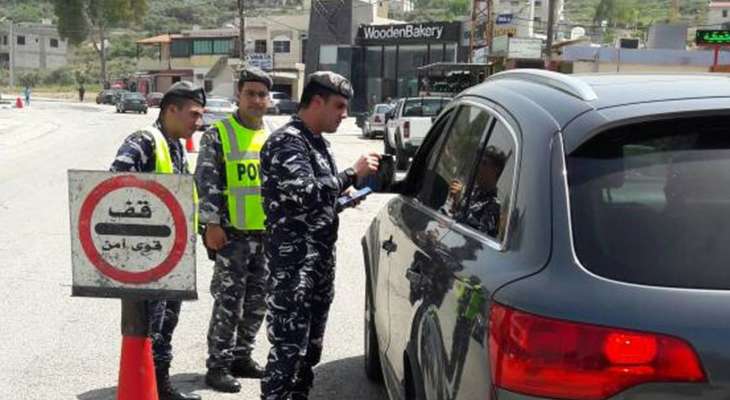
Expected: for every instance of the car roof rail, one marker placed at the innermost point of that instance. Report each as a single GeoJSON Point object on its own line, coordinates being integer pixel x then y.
{"type": "Point", "coordinates": [566, 83]}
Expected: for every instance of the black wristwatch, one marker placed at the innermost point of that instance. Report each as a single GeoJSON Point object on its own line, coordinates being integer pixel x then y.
{"type": "Point", "coordinates": [351, 175]}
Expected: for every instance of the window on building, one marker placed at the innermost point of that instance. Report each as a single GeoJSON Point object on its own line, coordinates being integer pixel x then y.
{"type": "Point", "coordinates": [202, 47]}
{"type": "Point", "coordinates": [724, 13]}
{"type": "Point", "coordinates": [260, 46]}
{"type": "Point", "coordinates": [222, 46]}
{"type": "Point", "coordinates": [5, 40]}
{"type": "Point", "coordinates": [21, 40]}
{"type": "Point", "coordinates": [538, 3]}
{"type": "Point", "coordinates": [54, 42]}
{"type": "Point", "coordinates": [538, 19]}
{"type": "Point", "coordinates": [282, 46]}
{"type": "Point", "coordinates": [180, 48]}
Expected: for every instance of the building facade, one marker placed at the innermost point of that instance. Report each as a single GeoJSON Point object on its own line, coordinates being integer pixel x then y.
{"type": "Point", "coordinates": [210, 57]}
{"type": "Point", "coordinates": [35, 46]}
{"type": "Point", "coordinates": [718, 15]}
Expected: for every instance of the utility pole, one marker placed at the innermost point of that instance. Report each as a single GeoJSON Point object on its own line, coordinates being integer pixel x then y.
{"type": "Point", "coordinates": [531, 22]}
{"type": "Point", "coordinates": [550, 29]}
{"type": "Point", "coordinates": [480, 20]}
{"type": "Point", "coordinates": [242, 32]}
{"type": "Point", "coordinates": [12, 54]}
{"type": "Point", "coordinates": [674, 12]}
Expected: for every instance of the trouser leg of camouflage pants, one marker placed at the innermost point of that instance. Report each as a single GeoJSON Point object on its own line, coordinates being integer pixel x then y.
{"type": "Point", "coordinates": [163, 315]}
{"type": "Point", "coordinates": [238, 310]}
{"type": "Point", "coordinates": [296, 331]}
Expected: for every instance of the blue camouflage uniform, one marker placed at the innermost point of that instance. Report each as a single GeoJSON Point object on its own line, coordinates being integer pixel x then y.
{"type": "Point", "coordinates": [137, 154]}
{"type": "Point", "coordinates": [239, 275]}
{"type": "Point", "coordinates": [300, 186]}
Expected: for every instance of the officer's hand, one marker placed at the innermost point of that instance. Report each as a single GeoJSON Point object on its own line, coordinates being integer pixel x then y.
{"type": "Point", "coordinates": [367, 164]}
{"type": "Point", "coordinates": [215, 237]}
{"type": "Point", "coordinates": [349, 192]}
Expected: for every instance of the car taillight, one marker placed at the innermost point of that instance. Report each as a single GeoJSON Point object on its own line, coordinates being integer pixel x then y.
{"type": "Point", "coordinates": [377, 118]}
{"type": "Point", "coordinates": [546, 357]}
{"type": "Point", "coordinates": [406, 129]}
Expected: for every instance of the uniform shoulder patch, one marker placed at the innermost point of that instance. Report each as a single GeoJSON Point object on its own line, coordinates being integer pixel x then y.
{"type": "Point", "coordinates": [292, 130]}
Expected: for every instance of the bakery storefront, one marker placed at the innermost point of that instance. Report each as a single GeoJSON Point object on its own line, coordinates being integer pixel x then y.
{"type": "Point", "coordinates": [392, 54]}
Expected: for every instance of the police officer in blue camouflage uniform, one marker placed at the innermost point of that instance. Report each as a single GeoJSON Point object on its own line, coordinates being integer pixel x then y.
{"type": "Point", "coordinates": [300, 187]}
{"type": "Point", "coordinates": [231, 209]}
{"type": "Point", "coordinates": [147, 150]}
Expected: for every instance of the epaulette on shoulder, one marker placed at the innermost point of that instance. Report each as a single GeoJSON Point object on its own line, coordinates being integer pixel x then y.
{"type": "Point", "coordinates": [291, 130]}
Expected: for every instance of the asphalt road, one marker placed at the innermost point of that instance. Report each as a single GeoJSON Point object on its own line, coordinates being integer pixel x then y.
{"type": "Point", "coordinates": [54, 346]}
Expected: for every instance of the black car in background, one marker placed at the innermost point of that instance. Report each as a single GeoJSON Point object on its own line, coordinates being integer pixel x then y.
{"type": "Point", "coordinates": [559, 237]}
{"type": "Point", "coordinates": [105, 96]}
{"type": "Point", "coordinates": [132, 101]}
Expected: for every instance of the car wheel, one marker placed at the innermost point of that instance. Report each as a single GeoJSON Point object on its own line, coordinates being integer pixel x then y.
{"type": "Point", "coordinates": [372, 353]}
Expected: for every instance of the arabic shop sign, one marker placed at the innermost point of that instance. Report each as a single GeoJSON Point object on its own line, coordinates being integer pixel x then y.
{"type": "Point", "coordinates": [712, 37]}
{"type": "Point", "coordinates": [132, 235]}
{"type": "Point", "coordinates": [410, 33]}
{"type": "Point", "coordinates": [504, 19]}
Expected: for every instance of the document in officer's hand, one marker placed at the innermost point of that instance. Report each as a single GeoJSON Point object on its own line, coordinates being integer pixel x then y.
{"type": "Point", "coordinates": [351, 200]}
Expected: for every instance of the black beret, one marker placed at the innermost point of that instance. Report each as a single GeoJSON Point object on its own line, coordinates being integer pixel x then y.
{"type": "Point", "coordinates": [186, 90]}
{"type": "Point", "coordinates": [331, 81]}
{"type": "Point", "coordinates": [253, 74]}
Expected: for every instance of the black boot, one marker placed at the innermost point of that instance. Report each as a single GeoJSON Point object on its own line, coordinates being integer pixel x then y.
{"type": "Point", "coordinates": [165, 391]}
{"type": "Point", "coordinates": [247, 368]}
{"type": "Point", "coordinates": [221, 380]}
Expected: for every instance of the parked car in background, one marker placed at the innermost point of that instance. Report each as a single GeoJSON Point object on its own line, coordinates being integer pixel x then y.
{"type": "Point", "coordinates": [117, 95]}
{"type": "Point", "coordinates": [132, 101]}
{"type": "Point", "coordinates": [559, 237]}
{"type": "Point", "coordinates": [407, 125]}
{"type": "Point", "coordinates": [216, 108]}
{"type": "Point", "coordinates": [154, 99]}
{"type": "Point", "coordinates": [374, 125]}
{"type": "Point", "coordinates": [105, 97]}
{"type": "Point", "coordinates": [281, 103]}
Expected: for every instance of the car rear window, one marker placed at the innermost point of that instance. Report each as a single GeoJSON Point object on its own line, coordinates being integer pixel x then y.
{"type": "Point", "coordinates": [381, 109]}
{"type": "Point", "coordinates": [280, 96]}
{"type": "Point", "coordinates": [219, 103]}
{"type": "Point", "coordinates": [650, 203]}
{"type": "Point", "coordinates": [423, 107]}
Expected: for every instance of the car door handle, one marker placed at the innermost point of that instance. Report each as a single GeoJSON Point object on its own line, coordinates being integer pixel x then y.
{"type": "Point", "coordinates": [389, 246]}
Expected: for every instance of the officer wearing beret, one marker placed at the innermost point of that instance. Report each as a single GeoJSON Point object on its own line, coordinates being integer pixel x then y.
{"type": "Point", "coordinates": [231, 210]}
{"type": "Point", "coordinates": [158, 149]}
{"type": "Point", "coordinates": [300, 187]}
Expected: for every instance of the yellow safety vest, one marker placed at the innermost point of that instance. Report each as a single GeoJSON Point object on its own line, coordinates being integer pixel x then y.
{"type": "Point", "coordinates": [163, 165]}
{"type": "Point", "coordinates": [241, 148]}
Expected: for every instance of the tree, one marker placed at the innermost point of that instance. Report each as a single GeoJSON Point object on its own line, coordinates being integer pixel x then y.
{"type": "Point", "coordinates": [79, 20]}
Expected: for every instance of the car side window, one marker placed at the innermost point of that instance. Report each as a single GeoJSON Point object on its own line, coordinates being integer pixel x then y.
{"type": "Point", "coordinates": [446, 179]}
{"type": "Point", "coordinates": [489, 197]}
{"type": "Point", "coordinates": [428, 152]}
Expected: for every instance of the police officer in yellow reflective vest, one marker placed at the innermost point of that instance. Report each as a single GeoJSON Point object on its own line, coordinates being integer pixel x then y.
{"type": "Point", "coordinates": [231, 211]}
{"type": "Point", "coordinates": [158, 149]}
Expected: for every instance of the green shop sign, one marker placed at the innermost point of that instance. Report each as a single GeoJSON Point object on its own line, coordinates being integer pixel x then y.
{"type": "Point", "coordinates": [712, 37]}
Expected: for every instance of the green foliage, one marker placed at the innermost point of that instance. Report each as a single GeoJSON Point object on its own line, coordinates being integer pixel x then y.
{"type": "Point", "coordinates": [437, 10]}
{"type": "Point", "coordinates": [25, 10]}
{"type": "Point", "coordinates": [60, 76]}
{"type": "Point", "coordinates": [632, 13]}
{"type": "Point", "coordinates": [30, 78]}
{"type": "Point", "coordinates": [77, 19]}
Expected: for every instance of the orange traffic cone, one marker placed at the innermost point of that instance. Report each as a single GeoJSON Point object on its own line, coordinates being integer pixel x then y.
{"type": "Point", "coordinates": [137, 380]}
{"type": "Point", "coordinates": [190, 145]}
{"type": "Point", "coordinates": [18, 103]}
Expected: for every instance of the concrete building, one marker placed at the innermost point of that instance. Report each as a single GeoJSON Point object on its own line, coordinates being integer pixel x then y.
{"type": "Point", "coordinates": [210, 56]}
{"type": "Point", "coordinates": [35, 46]}
{"type": "Point", "coordinates": [718, 14]}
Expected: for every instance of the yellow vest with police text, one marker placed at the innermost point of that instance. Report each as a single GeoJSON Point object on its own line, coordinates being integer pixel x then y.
{"type": "Point", "coordinates": [241, 149]}
{"type": "Point", "coordinates": [163, 165]}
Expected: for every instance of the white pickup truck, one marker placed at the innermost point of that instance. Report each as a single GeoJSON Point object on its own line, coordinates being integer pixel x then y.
{"type": "Point", "coordinates": [407, 126]}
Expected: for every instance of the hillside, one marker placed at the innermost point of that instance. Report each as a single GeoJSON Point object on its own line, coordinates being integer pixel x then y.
{"type": "Point", "coordinates": [691, 11]}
